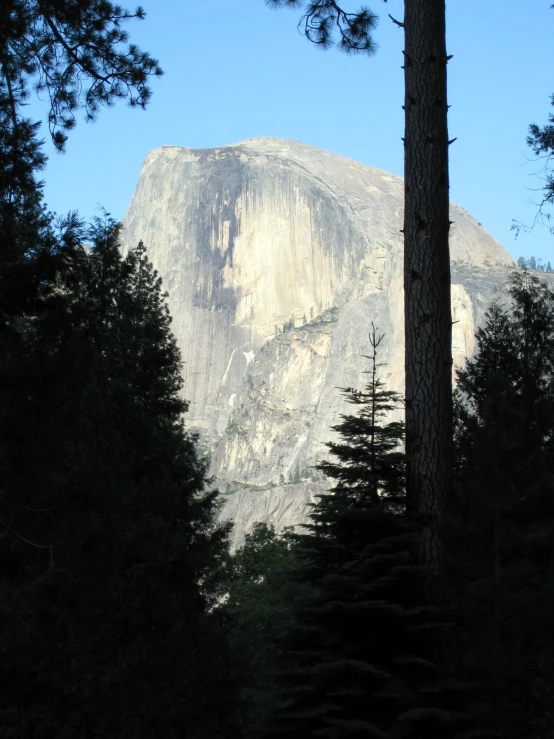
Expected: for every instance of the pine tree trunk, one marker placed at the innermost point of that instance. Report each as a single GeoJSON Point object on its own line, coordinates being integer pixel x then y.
{"type": "Point", "coordinates": [428, 321]}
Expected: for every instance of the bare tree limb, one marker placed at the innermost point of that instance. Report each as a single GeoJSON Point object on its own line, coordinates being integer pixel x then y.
{"type": "Point", "coordinates": [397, 23]}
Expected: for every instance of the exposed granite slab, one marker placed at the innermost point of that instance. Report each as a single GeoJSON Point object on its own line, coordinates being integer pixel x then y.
{"type": "Point", "coordinates": [250, 236]}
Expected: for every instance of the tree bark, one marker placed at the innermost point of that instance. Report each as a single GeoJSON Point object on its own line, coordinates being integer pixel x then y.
{"type": "Point", "coordinates": [428, 321]}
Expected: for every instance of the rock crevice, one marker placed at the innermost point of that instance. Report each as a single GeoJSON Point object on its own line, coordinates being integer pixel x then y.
{"type": "Point", "coordinates": [277, 257]}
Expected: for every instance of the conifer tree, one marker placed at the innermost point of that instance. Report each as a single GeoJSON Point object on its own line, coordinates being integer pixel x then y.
{"type": "Point", "coordinates": [370, 464]}
{"type": "Point", "coordinates": [110, 555]}
{"type": "Point", "coordinates": [427, 299]}
{"type": "Point", "coordinates": [258, 610]}
{"type": "Point", "coordinates": [77, 53]}
{"type": "Point", "coordinates": [27, 245]}
{"type": "Point", "coordinates": [110, 549]}
{"type": "Point", "coordinates": [360, 657]}
{"type": "Point", "coordinates": [502, 566]}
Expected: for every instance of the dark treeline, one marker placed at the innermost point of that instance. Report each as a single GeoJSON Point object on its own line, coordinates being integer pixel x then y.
{"type": "Point", "coordinates": [111, 559]}
{"type": "Point", "coordinates": [352, 649]}
{"type": "Point", "coordinates": [122, 611]}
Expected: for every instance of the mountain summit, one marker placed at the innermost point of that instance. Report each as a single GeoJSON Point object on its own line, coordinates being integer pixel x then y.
{"type": "Point", "coordinates": [277, 257]}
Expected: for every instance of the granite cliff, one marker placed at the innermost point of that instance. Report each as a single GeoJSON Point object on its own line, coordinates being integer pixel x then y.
{"type": "Point", "coordinates": [277, 257]}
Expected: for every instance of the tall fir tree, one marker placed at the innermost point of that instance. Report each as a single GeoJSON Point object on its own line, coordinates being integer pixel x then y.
{"type": "Point", "coordinates": [110, 548]}
{"type": "Point", "coordinates": [110, 552]}
{"type": "Point", "coordinates": [427, 303]}
{"type": "Point", "coordinates": [258, 609]}
{"type": "Point", "coordinates": [371, 466]}
{"type": "Point", "coordinates": [502, 565]}
{"type": "Point", "coordinates": [359, 660]}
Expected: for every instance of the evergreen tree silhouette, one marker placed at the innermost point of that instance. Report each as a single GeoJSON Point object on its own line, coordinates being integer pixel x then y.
{"type": "Point", "coordinates": [258, 610]}
{"type": "Point", "coordinates": [502, 566]}
{"type": "Point", "coordinates": [427, 289]}
{"type": "Point", "coordinates": [359, 659]}
{"type": "Point", "coordinates": [370, 464]}
{"type": "Point", "coordinates": [110, 555]}
{"type": "Point", "coordinates": [110, 550]}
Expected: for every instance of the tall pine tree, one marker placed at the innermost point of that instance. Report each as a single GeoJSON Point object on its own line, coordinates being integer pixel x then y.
{"type": "Point", "coordinates": [110, 555]}
{"type": "Point", "coordinates": [359, 660]}
{"type": "Point", "coordinates": [110, 546]}
{"type": "Point", "coordinates": [370, 464]}
{"type": "Point", "coordinates": [258, 609]}
{"type": "Point", "coordinates": [427, 309]}
{"type": "Point", "coordinates": [502, 564]}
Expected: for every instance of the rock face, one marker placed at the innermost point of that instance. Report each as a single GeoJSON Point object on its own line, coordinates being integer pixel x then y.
{"type": "Point", "coordinates": [277, 257]}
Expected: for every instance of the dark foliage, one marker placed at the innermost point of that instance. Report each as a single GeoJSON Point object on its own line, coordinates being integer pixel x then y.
{"type": "Point", "coordinates": [324, 19]}
{"type": "Point", "coordinates": [111, 561]}
{"type": "Point", "coordinates": [427, 288]}
{"type": "Point", "coordinates": [76, 51]}
{"type": "Point", "coordinates": [502, 566]}
{"type": "Point", "coordinates": [359, 659]}
{"type": "Point", "coordinates": [110, 550]}
{"type": "Point", "coordinates": [27, 245]}
{"type": "Point", "coordinates": [370, 466]}
{"type": "Point", "coordinates": [258, 611]}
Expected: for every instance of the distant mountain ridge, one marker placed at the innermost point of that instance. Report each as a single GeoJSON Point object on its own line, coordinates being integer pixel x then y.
{"type": "Point", "coordinates": [270, 234]}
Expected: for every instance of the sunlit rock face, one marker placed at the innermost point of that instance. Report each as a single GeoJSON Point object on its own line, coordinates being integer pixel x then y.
{"type": "Point", "coordinates": [277, 257]}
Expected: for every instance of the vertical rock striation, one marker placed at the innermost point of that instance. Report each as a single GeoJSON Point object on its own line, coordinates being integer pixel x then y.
{"type": "Point", "coordinates": [277, 257]}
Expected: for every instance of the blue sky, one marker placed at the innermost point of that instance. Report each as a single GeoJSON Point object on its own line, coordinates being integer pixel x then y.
{"type": "Point", "coordinates": [237, 70]}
